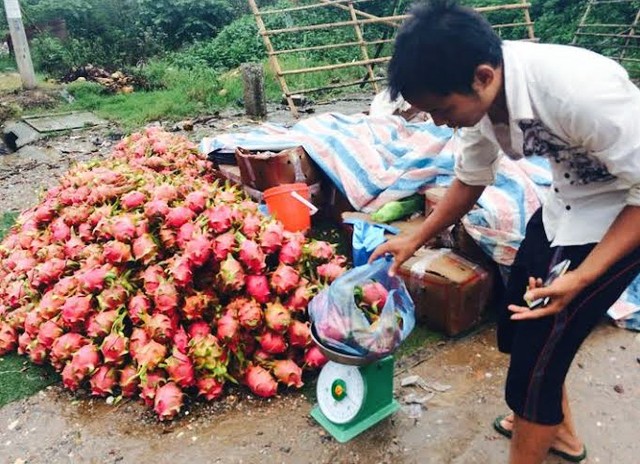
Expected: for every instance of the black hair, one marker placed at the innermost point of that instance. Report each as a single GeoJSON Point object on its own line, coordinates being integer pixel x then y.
{"type": "Point", "coordinates": [438, 49]}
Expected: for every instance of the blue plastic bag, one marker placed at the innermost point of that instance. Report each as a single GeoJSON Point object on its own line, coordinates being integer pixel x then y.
{"type": "Point", "coordinates": [366, 238]}
{"type": "Point", "coordinates": [341, 325]}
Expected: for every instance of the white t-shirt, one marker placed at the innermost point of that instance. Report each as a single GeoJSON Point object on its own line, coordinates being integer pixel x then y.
{"type": "Point", "coordinates": [581, 111]}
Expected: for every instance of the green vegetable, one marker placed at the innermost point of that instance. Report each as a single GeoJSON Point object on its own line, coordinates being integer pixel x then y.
{"type": "Point", "coordinates": [395, 210]}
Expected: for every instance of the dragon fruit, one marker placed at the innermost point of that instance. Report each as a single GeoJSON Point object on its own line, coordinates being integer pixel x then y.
{"type": "Point", "coordinates": [252, 257]}
{"type": "Point", "coordinates": [272, 342]}
{"type": "Point", "coordinates": [129, 381]}
{"type": "Point", "coordinates": [220, 218]}
{"type": "Point", "coordinates": [8, 338]}
{"type": "Point", "coordinates": [124, 228]}
{"type": "Point", "coordinates": [138, 308]}
{"type": "Point", "coordinates": [284, 279]}
{"type": "Point", "coordinates": [168, 401]}
{"type": "Point", "coordinates": [231, 275]}
{"type": "Point", "coordinates": [299, 334]}
{"type": "Point", "coordinates": [145, 249]}
{"type": "Point", "coordinates": [180, 369]}
{"type": "Point", "coordinates": [250, 314]}
{"type": "Point", "coordinates": [260, 381]}
{"type": "Point", "coordinates": [133, 200]}
{"type": "Point", "coordinates": [103, 381]}
{"type": "Point", "coordinates": [223, 244]}
{"type": "Point", "coordinates": [209, 387]}
{"type": "Point", "coordinates": [271, 237]}
{"type": "Point", "coordinates": [179, 216]}
{"type": "Point", "coordinates": [258, 287]}
{"type": "Point", "coordinates": [277, 317]}
{"type": "Point", "coordinates": [151, 354]}
{"type": "Point", "coordinates": [76, 310]}
{"type": "Point", "coordinates": [288, 372]}
{"type": "Point", "coordinates": [198, 250]}
{"type": "Point", "coordinates": [314, 358]}
{"type": "Point", "coordinates": [114, 348]}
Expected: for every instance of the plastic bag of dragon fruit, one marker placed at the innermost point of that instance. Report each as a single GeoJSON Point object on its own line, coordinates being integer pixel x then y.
{"type": "Point", "coordinates": [364, 312]}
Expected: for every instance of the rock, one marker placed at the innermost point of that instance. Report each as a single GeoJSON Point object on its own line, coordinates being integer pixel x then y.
{"type": "Point", "coordinates": [410, 380]}
{"type": "Point", "coordinates": [618, 388]}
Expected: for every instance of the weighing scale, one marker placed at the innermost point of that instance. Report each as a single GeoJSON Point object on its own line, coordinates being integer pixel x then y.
{"type": "Point", "coordinates": [354, 393]}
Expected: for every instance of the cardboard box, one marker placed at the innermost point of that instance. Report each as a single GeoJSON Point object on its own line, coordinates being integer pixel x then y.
{"type": "Point", "coordinates": [449, 291]}
{"type": "Point", "coordinates": [261, 170]}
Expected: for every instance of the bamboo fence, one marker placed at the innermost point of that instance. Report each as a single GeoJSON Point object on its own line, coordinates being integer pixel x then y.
{"type": "Point", "coordinates": [358, 20]}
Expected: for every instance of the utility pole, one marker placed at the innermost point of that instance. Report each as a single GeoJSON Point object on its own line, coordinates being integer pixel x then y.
{"type": "Point", "coordinates": [20, 44]}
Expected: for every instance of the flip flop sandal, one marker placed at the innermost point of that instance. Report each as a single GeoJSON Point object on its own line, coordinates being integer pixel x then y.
{"type": "Point", "coordinates": [497, 425]}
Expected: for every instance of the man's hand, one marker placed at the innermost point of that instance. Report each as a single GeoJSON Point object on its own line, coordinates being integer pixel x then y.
{"type": "Point", "coordinates": [402, 248]}
{"type": "Point", "coordinates": [561, 292]}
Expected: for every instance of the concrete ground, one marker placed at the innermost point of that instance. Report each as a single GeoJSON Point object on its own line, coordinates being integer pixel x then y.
{"type": "Point", "coordinates": [55, 427]}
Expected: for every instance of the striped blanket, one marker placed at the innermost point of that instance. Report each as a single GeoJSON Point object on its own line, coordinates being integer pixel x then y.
{"type": "Point", "coordinates": [374, 160]}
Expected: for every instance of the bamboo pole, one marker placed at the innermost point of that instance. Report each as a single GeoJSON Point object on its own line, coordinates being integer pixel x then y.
{"type": "Point", "coordinates": [527, 19]}
{"type": "Point", "coordinates": [606, 25]}
{"type": "Point", "coordinates": [360, 13]}
{"type": "Point", "coordinates": [339, 85]}
{"type": "Point", "coordinates": [329, 46]}
{"type": "Point", "coordinates": [583, 21]}
{"type": "Point", "coordinates": [272, 58]}
{"type": "Point", "coordinates": [500, 26]}
{"type": "Point", "coordinates": [315, 27]}
{"type": "Point", "coordinates": [363, 48]}
{"type": "Point", "coordinates": [632, 31]}
{"type": "Point", "coordinates": [330, 67]}
{"type": "Point", "coordinates": [603, 34]}
{"type": "Point", "coordinates": [310, 7]}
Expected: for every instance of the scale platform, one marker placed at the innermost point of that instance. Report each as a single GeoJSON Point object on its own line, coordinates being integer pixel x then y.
{"type": "Point", "coordinates": [353, 393]}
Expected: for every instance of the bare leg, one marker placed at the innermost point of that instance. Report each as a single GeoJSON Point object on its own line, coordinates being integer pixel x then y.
{"type": "Point", "coordinates": [566, 438]}
{"type": "Point", "coordinates": [531, 442]}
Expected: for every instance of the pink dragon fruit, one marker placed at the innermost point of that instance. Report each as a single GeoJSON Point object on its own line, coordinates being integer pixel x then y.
{"type": "Point", "coordinates": [223, 245]}
{"type": "Point", "coordinates": [114, 348]}
{"type": "Point", "coordinates": [117, 252]}
{"type": "Point", "coordinates": [168, 237]}
{"type": "Point", "coordinates": [199, 329]}
{"type": "Point", "coordinates": [103, 381]}
{"type": "Point", "coordinates": [228, 328]}
{"type": "Point", "coordinates": [180, 369]}
{"type": "Point", "coordinates": [124, 228]}
{"type": "Point", "coordinates": [94, 279]}
{"type": "Point", "coordinates": [180, 270]}
{"type": "Point", "coordinates": [149, 384]}
{"type": "Point", "coordinates": [60, 231]}
{"type": "Point", "coordinates": [49, 272]}
{"type": "Point", "coordinates": [209, 387]}
{"type": "Point", "coordinates": [64, 346]}
{"type": "Point", "coordinates": [139, 338]}
{"type": "Point", "coordinates": [206, 352]}
{"type": "Point", "coordinates": [98, 325]}
{"type": "Point", "coordinates": [314, 358]}
{"type": "Point", "coordinates": [8, 338]}
{"type": "Point", "coordinates": [166, 298]}
{"type": "Point", "coordinates": [185, 233]}
{"type": "Point", "coordinates": [272, 342]}
{"type": "Point", "coordinates": [284, 279]}
{"type": "Point", "coordinates": [299, 299]}
{"type": "Point", "coordinates": [260, 381]}
{"type": "Point", "coordinates": [32, 322]}
{"type": "Point", "coordinates": [181, 340]}
{"type": "Point", "coordinates": [76, 310]}
{"type": "Point", "coordinates": [73, 247]}
{"type": "Point", "coordinates": [252, 257]}
{"type": "Point", "coordinates": [196, 201]}
{"type": "Point", "coordinates": [113, 297]}
{"type": "Point", "coordinates": [288, 372]}
{"type": "Point", "coordinates": [168, 401]}
{"type": "Point", "coordinates": [133, 200]}
{"type": "Point", "coordinates": [249, 313]}
{"type": "Point", "coordinates": [156, 209]}
{"type": "Point", "coordinates": [299, 334]}
{"type": "Point", "coordinates": [37, 353]}
{"type": "Point", "coordinates": [161, 327]}
{"type": "Point", "coordinates": [194, 306]}
{"type": "Point", "coordinates": [322, 251]}
{"type": "Point", "coordinates": [291, 252]}
{"type": "Point", "coordinates": [129, 381]}
{"type": "Point", "coordinates": [71, 378]}
{"type": "Point", "coordinates": [166, 192]}
{"type": "Point", "coordinates": [220, 218]}
{"type": "Point", "coordinates": [198, 250]}
{"type": "Point", "coordinates": [374, 294]}
{"type": "Point", "coordinates": [86, 359]}
{"type": "Point", "coordinates": [145, 249]}
{"type": "Point", "coordinates": [271, 237]}
{"type": "Point", "coordinates": [151, 354]}
{"type": "Point", "coordinates": [151, 277]}
{"type": "Point", "coordinates": [277, 317]}
{"type": "Point", "coordinates": [179, 216]}
{"type": "Point", "coordinates": [330, 271]}
{"type": "Point", "coordinates": [251, 226]}
{"type": "Point", "coordinates": [231, 275]}
{"type": "Point", "coordinates": [258, 287]}
{"type": "Point", "coordinates": [139, 307]}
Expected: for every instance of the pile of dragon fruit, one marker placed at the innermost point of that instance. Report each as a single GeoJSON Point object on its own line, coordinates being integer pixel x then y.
{"type": "Point", "coordinates": [142, 276]}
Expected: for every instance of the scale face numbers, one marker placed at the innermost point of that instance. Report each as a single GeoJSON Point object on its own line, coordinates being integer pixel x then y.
{"type": "Point", "coordinates": [340, 392]}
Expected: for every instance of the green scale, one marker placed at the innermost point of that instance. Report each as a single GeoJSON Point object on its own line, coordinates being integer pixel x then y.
{"type": "Point", "coordinates": [353, 393]}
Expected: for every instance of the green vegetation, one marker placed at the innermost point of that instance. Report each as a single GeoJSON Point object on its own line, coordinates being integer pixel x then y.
{"type": "Point", "coordinates": [6, 221]}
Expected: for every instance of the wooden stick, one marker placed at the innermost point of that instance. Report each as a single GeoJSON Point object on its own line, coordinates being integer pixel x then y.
{"type": "Point", "coordinates": [603, 34]}
{"type": "Point", "coordinates": [337, 86]}
{"type": "Point", "coordinates": [315, 27]}
{"type": "Point", "coordinates": [275, 65]}
{"type": "Point", "coordinates": [360, 13]}
{"type": "Point", "coordinates": [309, 7]}
{"type": "Point", "coordinates": [329, 46]}
{"type": "Point", "coordinates": [330, 67]}
{"type": "Point", "coordinates": [499, 26]}
{"type": "Point", "coordinates": [527, 18]}
{"type": "Point", "coordinates": [363, 48]}
{"type": "Point", "coordinates": [20, 44]}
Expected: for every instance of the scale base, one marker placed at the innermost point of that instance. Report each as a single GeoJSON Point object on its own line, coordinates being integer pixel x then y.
{"type": "Point", "coordinates": [345, 432]}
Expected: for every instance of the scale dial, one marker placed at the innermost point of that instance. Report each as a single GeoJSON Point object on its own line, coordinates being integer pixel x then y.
{"type": "Point", "coordinates": [340, 392]}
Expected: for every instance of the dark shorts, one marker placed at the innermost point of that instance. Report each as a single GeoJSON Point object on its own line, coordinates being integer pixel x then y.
{"type": "Point", "coordinates": [542, 349]}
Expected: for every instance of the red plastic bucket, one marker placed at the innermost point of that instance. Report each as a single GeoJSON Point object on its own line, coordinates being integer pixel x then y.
{"type": "Point", "coordinates": [289, 203]}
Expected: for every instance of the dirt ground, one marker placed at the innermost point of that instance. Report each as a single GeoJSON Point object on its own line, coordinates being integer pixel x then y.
{"type": "Point", "coordinates": [455, 426]}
